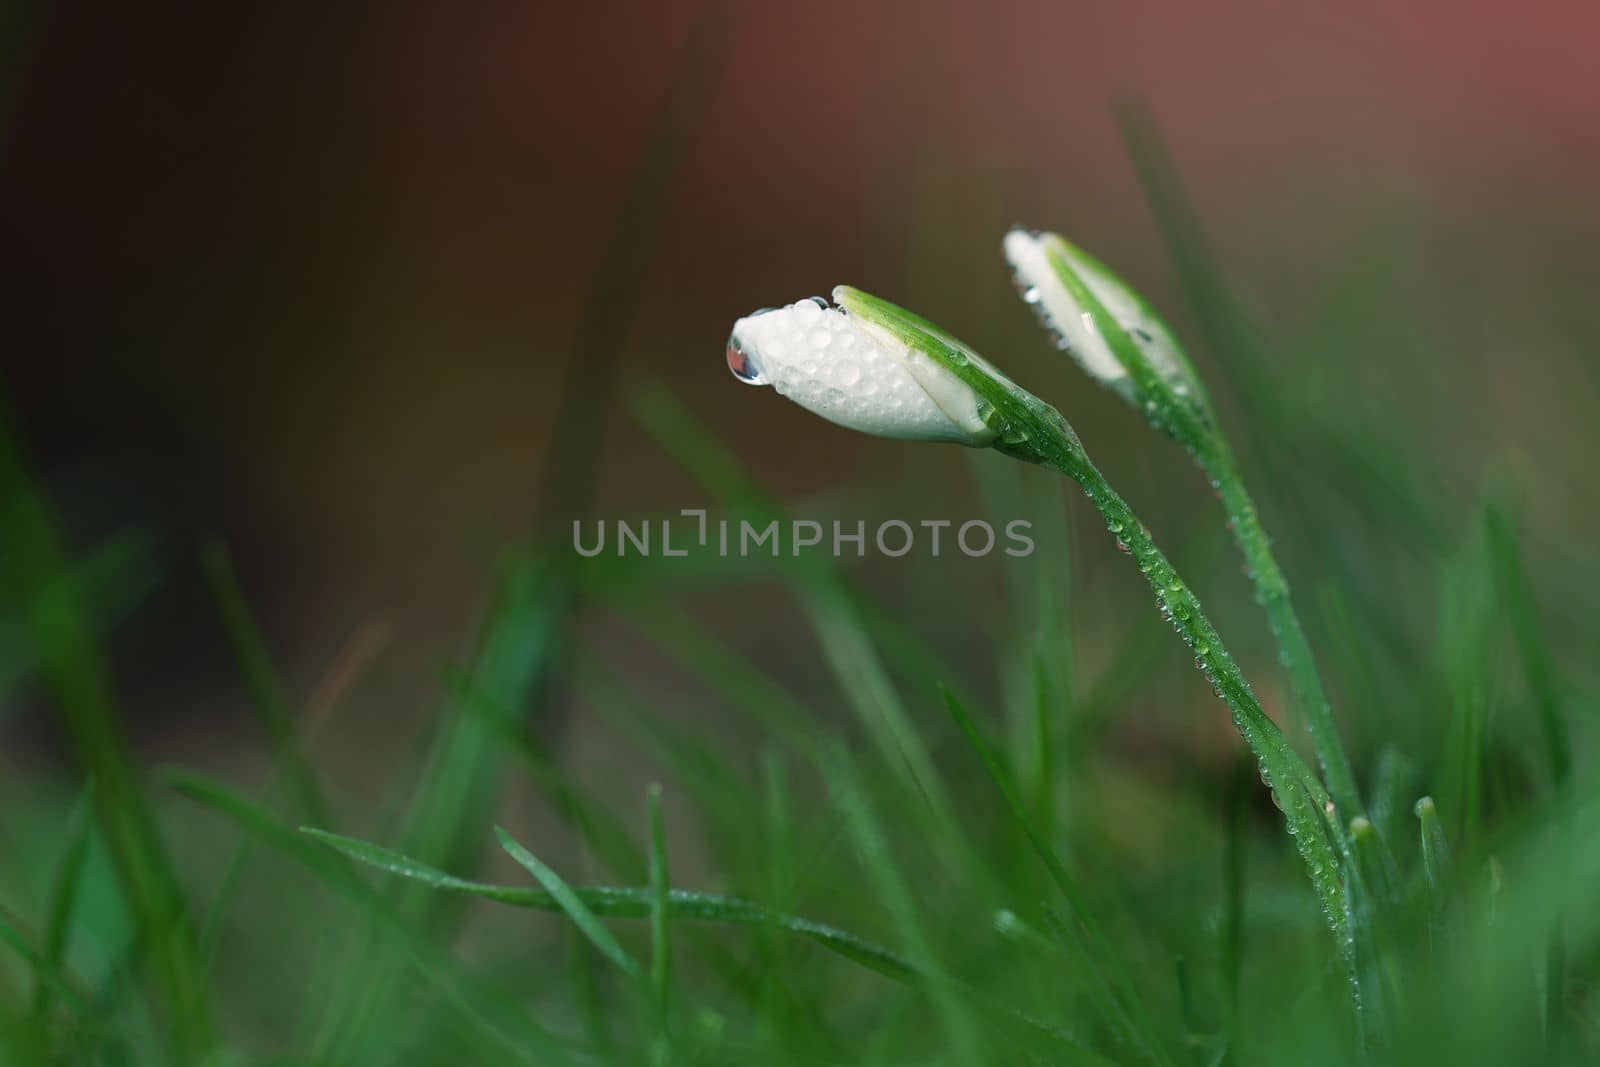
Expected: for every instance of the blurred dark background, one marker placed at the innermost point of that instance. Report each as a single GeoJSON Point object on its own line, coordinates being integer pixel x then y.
{"type": "Point", "coordinates": [308, 278]}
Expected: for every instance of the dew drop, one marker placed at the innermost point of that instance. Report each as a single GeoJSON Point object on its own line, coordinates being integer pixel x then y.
{"type": "Point", "coordinates": [844, 374]}
{"type": "Point", "coordinates": [743, 367]}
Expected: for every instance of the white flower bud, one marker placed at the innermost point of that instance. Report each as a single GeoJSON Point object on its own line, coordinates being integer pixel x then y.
{"type": "Point", "coordinates": [853, 371]}
{"type": "Point", "coordinates": [1053, 275]}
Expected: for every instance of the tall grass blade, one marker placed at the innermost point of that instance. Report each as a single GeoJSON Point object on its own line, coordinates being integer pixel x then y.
{"type": "Point", "coordinates": [1113, 993]}
{"type": "Point", "coordinates": [262, 683]}
{"type": "Point", "coordinates": [65, 894]}
{"type": "Point", "coordinates": [660, 930]}
{"type": "Point", "coordinates": [34, 569]}
{"type": "Point", "coordinates": [1538, 669]}
{"type": "Point", "coordinates": [963, 1035]}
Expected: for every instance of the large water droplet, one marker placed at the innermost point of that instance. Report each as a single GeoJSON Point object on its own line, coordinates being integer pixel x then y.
{"type": "Point", "coordinates": [743, 367]}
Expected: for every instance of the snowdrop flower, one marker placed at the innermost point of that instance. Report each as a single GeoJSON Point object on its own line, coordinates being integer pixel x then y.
{"type": "Point", "coordinates": [1103, 324]}
{"type": "Point", "coordinates": [869, 366]}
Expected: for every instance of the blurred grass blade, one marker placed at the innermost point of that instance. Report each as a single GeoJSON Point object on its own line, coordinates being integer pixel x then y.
{"type": "Point", "coordinates": [486, 1010]}
{"type": "Point", "coordinates": [573, 905]}
{"type": "Point", "coordinates": [585, 814]}
{"type": "Point", "coordinates": [1230, 950]}
{"type": "Point", "coordinates": [660, 932]}
{"type": "Point", "coordinates": [1538, 669]}
{"type": "Point", "coordinates": [847, 645]}
{"type": "Point", "coordinates": [962, 1031]}
{"type": "Point", "coordinates": [34, 569]}
{"type": "Point", "coordinates": [1112, 992]}
{"type": "Point", "coordinates": [262, 683]}
{"type": "Point", "coordinates": [45, 972]}
{"type": "Point", "coordinates": [458, 790]}
{"type": "Point", "coordinates": [1435, 855]}
{"type": "Point", "coordinates": [611, 305]}
{"type": "Point", "coordinates": [1538, 666]}
{"type": "Point", "coordinates": [65, 893]}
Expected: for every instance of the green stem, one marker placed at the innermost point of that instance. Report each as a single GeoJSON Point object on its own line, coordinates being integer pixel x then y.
{"type": "Point", "coordinates": [1272, 592]}
{"type": "Point", "coordinates": [1306, 805]}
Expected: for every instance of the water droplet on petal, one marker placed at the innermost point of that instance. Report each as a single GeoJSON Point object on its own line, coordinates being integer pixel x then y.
{"type": "Point", "coordinates": [844, 374]}
{"type": "Point", "coordinates": [743, 367]}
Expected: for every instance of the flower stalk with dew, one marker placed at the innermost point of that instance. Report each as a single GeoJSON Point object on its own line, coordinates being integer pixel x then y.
{"type": "Point", "coordinates": [1121, 342]}
{"type": "Point", "coordinates": [867, 364]}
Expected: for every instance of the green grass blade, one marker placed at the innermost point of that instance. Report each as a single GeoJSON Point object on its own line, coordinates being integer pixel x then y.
{"type": "Point", "coordinates": [65, 895]}
{"type": "Point", "coordinates": [1231, 946]}
{"type": "Point", "coordinates": [963, 1034]}
{"type": "Point", "coordinates": [262, 683]}
{"type": "Point", "coordinates": [629, 903]}
{"type": "Point", "coordinates": [660, 912]}
{"type": "Point", "coordinates": [1539, 671]}
{"type": "Point", "coordinates": [573, 905]}
{"type": "Point", "coordinates": [836, 619]}
{"type": "Point", "coordinates": [34, 568]}
{"type": "Point", "coordinates": [585, 814]}
{"type": "Point", "coordinates": [45, 971]}
{"type": "Point", "coordinates": [1112, 992]}
{"type": "Point", "coordinates": [458, 790]}
{"type": "Point", "coordinates": [1436, 864]}
{"type": "Point", "coordinates": [499, 1020]}
{"type": "Point", "coordinates": [1538, 667]}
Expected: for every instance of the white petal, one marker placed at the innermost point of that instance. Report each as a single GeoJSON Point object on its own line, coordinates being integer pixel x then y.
{"type": "Point", "coordinates": [1147, 331]}
{"type": "Point", "coordinates": [854, 374]}
{"type": "Point", "coordinates": [1062, 314]}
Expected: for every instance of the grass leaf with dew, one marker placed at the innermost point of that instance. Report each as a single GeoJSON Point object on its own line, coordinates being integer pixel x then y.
{"type": "Point", "coordinates": [636, 903]}
{"type": "Point", "coordinates": [619, 902]}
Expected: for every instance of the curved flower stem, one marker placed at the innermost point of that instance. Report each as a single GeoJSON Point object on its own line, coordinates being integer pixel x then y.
{"type": "Point", "coordinates": [1272, 593]}
{"type": "Point", "coordinates": [1307, 807]}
